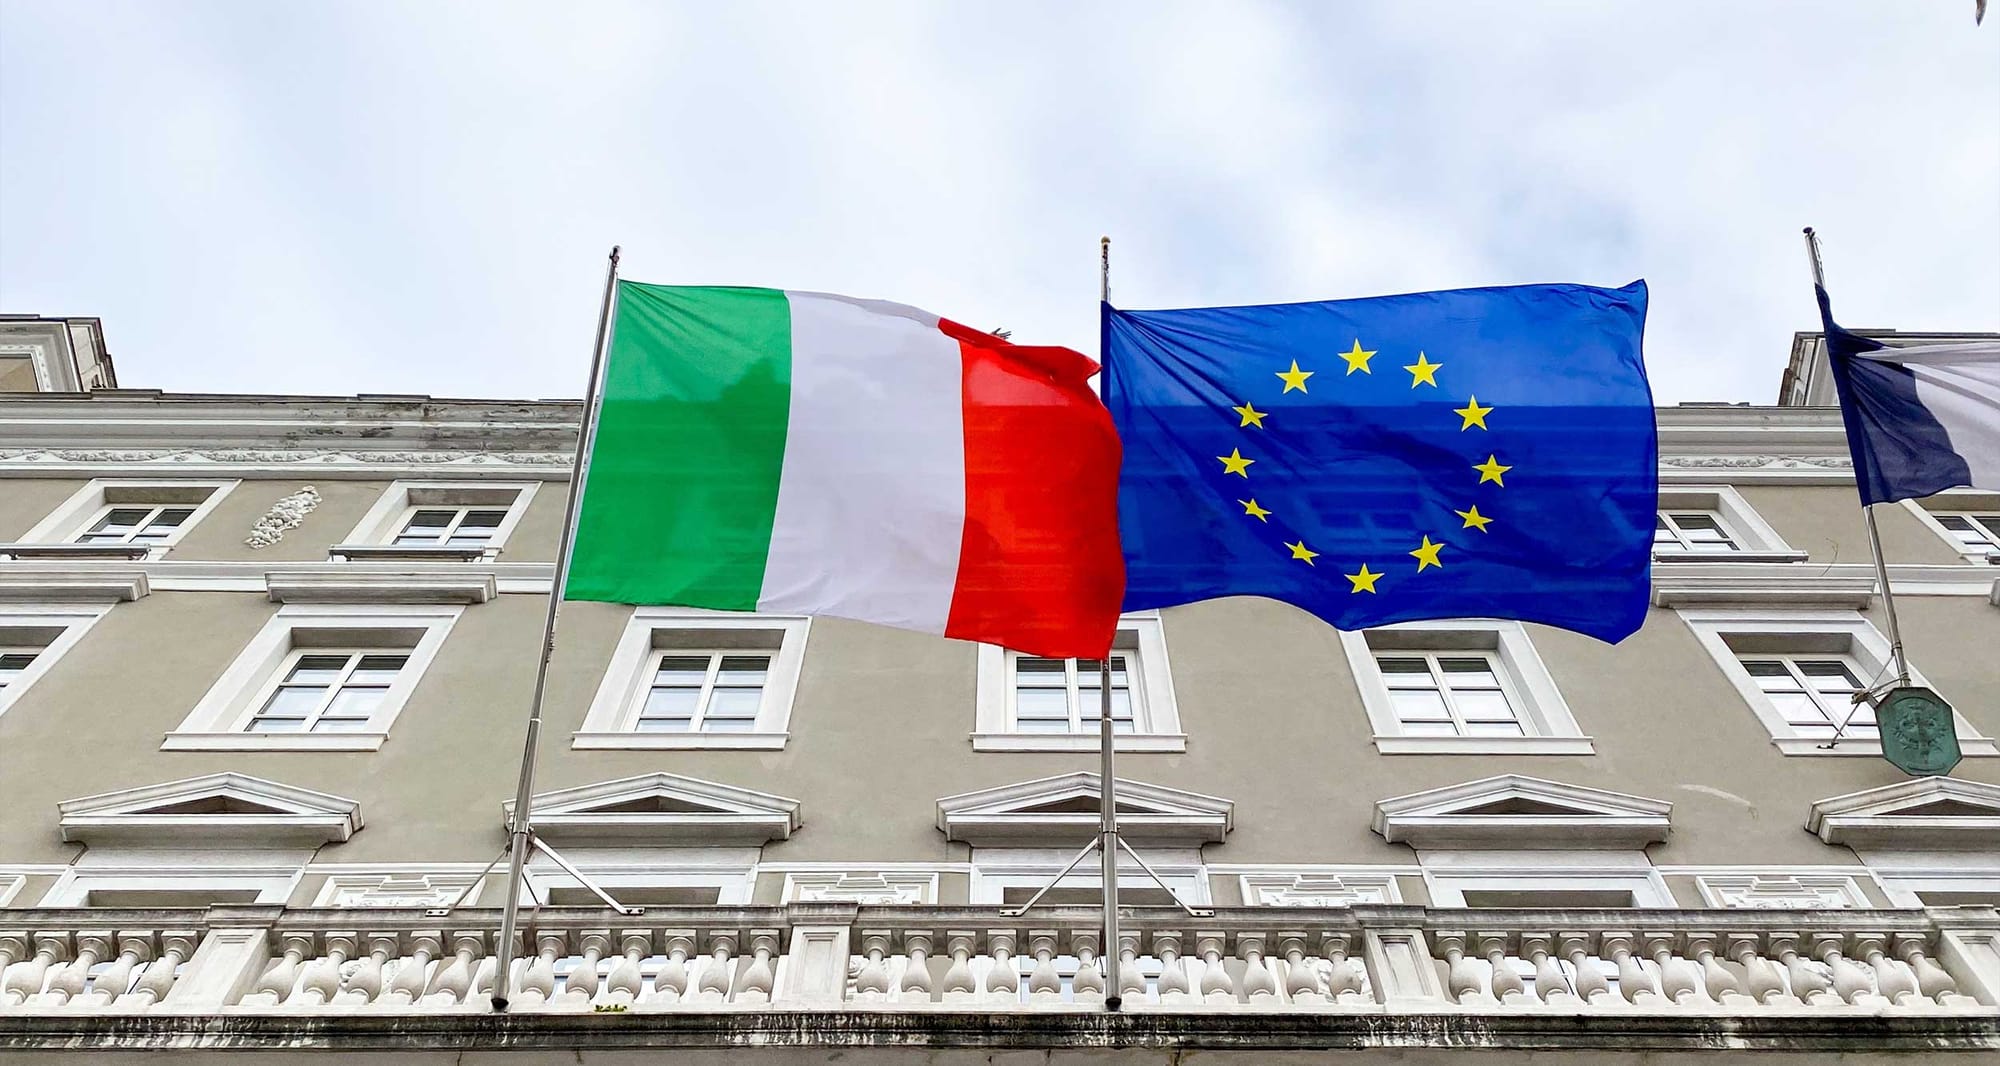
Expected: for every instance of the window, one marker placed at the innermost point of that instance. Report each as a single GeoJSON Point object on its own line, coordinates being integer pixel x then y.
{"type": "Point", "coordinates": [319, 677]}
{"type": "Point", "coordinates": [140, 519]}
{"type": "Point", "coordinates": [1029, 703]}
{"type": "Point", "coordinates": [1966, 519]}
{"type": "Point", "coordinates": [33, 638]}
{"type": "Point", "coordinates": [1715, 524]}
{"type": "Point", "coordinates": [646, 877]}
{"type": "Point", "coordinates": [1011, 876]}
{"type": "Point", "coordinates": [1544, 879]}
{"type": "Point", "coordinates": [1799, 670]}
{"type": "Point", "coordinates": [683, 680]}
{"type": "Point", "coordinates": [439, 519]}
{"type": "Point", "coordinates": [1692, 531]}
{"type": "Point", "coordinates": [1977, 534]}
{"type": "Point", "coordinates": [1460, 686]}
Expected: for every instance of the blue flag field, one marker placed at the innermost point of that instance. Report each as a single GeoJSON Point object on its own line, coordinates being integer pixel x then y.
{"type": "Point", "coordinates": [1478, 453]}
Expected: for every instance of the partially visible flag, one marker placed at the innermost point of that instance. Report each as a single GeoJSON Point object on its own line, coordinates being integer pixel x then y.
{"type": "Point", "coordinates": [1476, 453]}
{"type": "Point", "coordinates": [1920, 418]}
{"type": "Point", "coordinates": [800, 453]}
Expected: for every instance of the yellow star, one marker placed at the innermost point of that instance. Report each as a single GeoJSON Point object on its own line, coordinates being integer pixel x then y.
{"type": "Point", "coordinates": [1363, 581]}
{"type": "Point", "coordinates": [1293, 378]}
{"type": "Point", "coordinates": [1251, 416]}
{"type": "Point", "coordinates": [1473, 414]}
{"type": "Point", "coordinates": [1234, 463]}
{"type": "Point", "coordinates": [1490, 470]}
{"type": "Point", "coordinates": [1251, 508]}
{"type": "Point", "coordinates": [1473, 519]}
{"type": "Point", "coordinates": [1423, 372]}
{"type": "Point", "coordinates": [1427, 556]}
{"type": "Point", "coordinates": [1358, 359]}
{"type": "Point", "coordinates": [1300, 551]}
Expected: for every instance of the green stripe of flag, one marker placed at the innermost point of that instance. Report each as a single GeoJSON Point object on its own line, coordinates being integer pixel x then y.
{"type": "Point", "coordinates": [683, 478]}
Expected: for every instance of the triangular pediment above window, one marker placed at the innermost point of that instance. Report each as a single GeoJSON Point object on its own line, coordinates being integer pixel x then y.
{"type": "Point", "coordinates": [215, 809]}
{"type": "Point", "coordinates": [1066, 807]}
{"type": "Point", "coordinates": [1920, 814]}
{"type": "Point", "coordinates": [1514, 812]}
{"type": "Point", "coordinates": [663, 808]}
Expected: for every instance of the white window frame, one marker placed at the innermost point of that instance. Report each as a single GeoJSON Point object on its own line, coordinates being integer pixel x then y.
{"type": "Point", "coordinates": [1957, 502]}
{"type": "Point", "coordinates": [272, 874]}
{"type": "Point", "coordinates": [1448, 875]}
{"type": "Point", "coordinates": [74, 516]}
{"type": "Point", "coordinates": [995, 870]}
{"type": "Point", "coordinates": [379, 527]}
{"type": "Point", "coordinates": [1156, 719]}
{"type": "Point", "coordinates": [218, 721]}
{"type": "Point", "coordinates": [73, 619]}
{"type": "Point", "coordinates": [622, 691]}
{"type": "Point", "coordinates": [731, 871]}
{"type": "Point", "coordinates": [1866, 648]}
{"type": "Point", "coordinates": [1546, 721]}
{"type": "Point", "coordinates": [1756, 541]}
{"type": "Point", "coordinates": [1902, 885]}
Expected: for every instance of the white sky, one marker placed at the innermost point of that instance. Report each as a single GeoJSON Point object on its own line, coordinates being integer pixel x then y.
{"type": "Point", "coordinates": [418, 197]}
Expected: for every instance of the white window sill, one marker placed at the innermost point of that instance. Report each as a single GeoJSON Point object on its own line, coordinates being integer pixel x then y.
{"type": "Point", "coordinates": [1970, 747]}
{"type": "Point", "coordinates": [1484, 745]}
{"type": "Point", "coordinates": [1133, 742]}
{"type": "Point", "coordinates": [274, 741]}
{"type": "Point", "coordinates": [680, 741]}
{"type": "Point", "coordinates": [1730, 557]}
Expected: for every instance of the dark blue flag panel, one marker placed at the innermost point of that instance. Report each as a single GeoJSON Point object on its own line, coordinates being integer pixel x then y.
{"type": "Point", "coordinates": [1479, 453]}
{"type": "Point", "coordinates": [1900, 449]}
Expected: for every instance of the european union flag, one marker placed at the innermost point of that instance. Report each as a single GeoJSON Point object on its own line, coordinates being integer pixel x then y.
{"type": "Point", "coordinates": [1475, 453]}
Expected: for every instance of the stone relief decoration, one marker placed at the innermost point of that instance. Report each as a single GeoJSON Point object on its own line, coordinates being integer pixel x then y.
{"type": "Point", "coordinates": [1800, 892]}
{"type": "Point", "coordinates": [1317, 890]}
{"type": "Point", "coordinates": [1758, 462]}
{"type": "Point", "coordinates": [864, 888]}
{"type": "Point", "coordinates": [196, 456]}
{"type": "Point", "coordinates": [286, 514]}
{"type": "Point", "coordinates": [393, 890]}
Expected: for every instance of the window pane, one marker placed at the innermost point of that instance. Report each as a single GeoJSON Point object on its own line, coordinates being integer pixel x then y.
{"type": "Point", "coordinates": [431, 520]}
{"type": "Point", "coordinates": [1798, 708]}
{"type": "Point", "coordinates": [482, 520]}
{"type": "Point", "coordinates": [671, 703]}
{"type": "Point", "coordinates": [317, 669]}
{"type": "Point", "coordinates": [377, 670]}
{"type": "Point", "coordinates": [728, 725]}
{"type": "Point", "coordinates": [277, 725]}
{"type": "Point", "coordinates": [743, 670]}
{"type": "Point", "coordinates": [1493, 729]}
{"type": "Point", "coordinates": [1829, 675]}
{"type": "Point", "coordinates": [733, 703]}
{"type": "Point", "coordinates": [1469, 673]}
{"type": "Point", "coordinates": [1429, 729]}
{"type": "Point", "coordinates": [1417, 705]}
{"type": "Point", "coordinates": [1483, 705]}
{"type": "Point", "coordinates": [1032, 705]}
{"type": "Point", "coordinates": [340, 725]}
{"type": "Point", "coordinates": [356, 703]}
{"type": "Point", "coordinates": [292, 702]}
{"type": "Point", "coordinates": [1405, 673]}
{"type": "Point", "coordinates": [663, 725]}
{"type": "Point", "coordinates": [682, 671]}
{"type": "Point", "coordinates": [11, 665]}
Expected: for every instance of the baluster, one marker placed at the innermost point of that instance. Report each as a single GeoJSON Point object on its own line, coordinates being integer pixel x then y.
{"type": "Point", "coordinates": [627, 980]}
{"type": "Point", "coordinates": [581, 986]}
{"type": "Point", "coordinates": [69, 982]}
{"type": "Point", "coordinates": [13, 948]}
{"type": "Point", "coordinates": [1808, 982]}
{"type": "Point", "coordinates": [322, 975]}
{"type": "Point", "coordinates": [1716, 979]}
{"type": "Point", "coordinates": [1088, 984]}
{"type": "Point", "coordinates": [1302, 985]}
{"type": "Point", "coordinates": [133, 949]}
{"type": "Point", "coordinates": [1764, 984]}
{"type": "Point", "coordinates": [364, 985]}
{"type": "Point", "coordinates": [1892, 982]}
{"type": "Point", "coordinates": [1585, 975]}
{"type": "Point", "coordinates": [1551, 984]}
{"type": "Point", "coordinates": [276, 984]}
{"type": "Point", "coordinates": [1461, 976]}
{"type": "Point", "coordinates": [958, 983]}
{"type": "Point", "coordinates": [1044, 984]}
{"type": "Point", "coordinates": [670, 985]}
{"type": "Point", "coordinates": [1216, 984]}
{"type": "Point", "coordinates": [26, 979]}
{"type": "Point", "coordinates": [453, 983]}
{"type": "Point", "coordinates": [537, 976]}
{"type": "Point", "coordinates": [1634, 983]}
{"type": "Point", "coordinates": [1131, 983]}
{"type": "Point", "coordinates": [489, 964]}
{"type": "Point", "coordinates": [1932, 981]}
{"type": "Point", "coordinates": [716, 976]}
{"type": "Point", "coordinates": [1346, 979]}
{"type": "Point", "coordinates": [917, 971]}
{"type": "Point", "coordinates": [1173, 972]}
{"type": "Point", "coordinates": [413, 973]}
{"type": "Point", "coordinates": [872, 983]}
{"type": "Point", "coordinates": [1258, 980]}
{"type": "Point", "coordinates": [1507, 985]}
{"type": "Point", "coordinates": [1680, 981]}
{"type": "Point", "coordinates": [1850, 982]}
{"type": "Point", "coordinates": [759, 978]}
{"type": "Point", "coordinates": [1003, 982]}
{"type": "Point", "coordinates": [158, 980]}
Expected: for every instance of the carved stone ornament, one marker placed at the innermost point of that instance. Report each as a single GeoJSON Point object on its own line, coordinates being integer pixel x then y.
{"type": "Point", "coordinates": [1758, 462]}
{"type": "Point", "coordinates": [286, 514]}
{"type": "Point", "coordinates": [286, 457]}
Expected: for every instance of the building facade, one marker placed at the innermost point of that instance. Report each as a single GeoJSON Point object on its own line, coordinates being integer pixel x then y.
{"type": "Point", "coordinates": [264, 670]}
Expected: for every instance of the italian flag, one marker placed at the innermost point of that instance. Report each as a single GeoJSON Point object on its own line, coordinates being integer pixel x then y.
{"type": "Point", "coordinates": [800, 453]}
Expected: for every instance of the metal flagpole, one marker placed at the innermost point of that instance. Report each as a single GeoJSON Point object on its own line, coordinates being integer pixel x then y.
{"type": "Point", "coordinates": [1107, 847]}
{"type": "Point", "coordinates": [519, 830]}
{"type": "Point", "coordinates": [1868, 513]}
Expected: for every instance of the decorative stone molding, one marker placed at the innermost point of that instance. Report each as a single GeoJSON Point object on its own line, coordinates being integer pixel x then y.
{"type": "Point", "coordinates": [77, 583]}
{"type": "Point", "coordinates": [393, 890]}
{"type": "Point", "coordinates": [1924, 813]}
{"type": "Point", "coordinates": [215, 809]}
{"type": "Point", "coordinates": [1676, 589]}
{"type": "Point", "coordinates": [279, 457]}
{"type": "Point", "coordinates": [867, 887]}
{"type": "Point", "coordinates": [663, 808]}
{"type": "Point", "coordinates": [1806, 892]}
{"type": "Point", "coordinates": [1066, 806]}
{"type": "Point", "coordinates": [1317, 889]}
{"type": "Point", "coordinates": [415, 586]}
{"type": "Point", "coordinates": [1513, 811]}
{"type": "Point", "coordinates": [1757, 462]}
{"type": "Point", "coordinates": [284, 515]}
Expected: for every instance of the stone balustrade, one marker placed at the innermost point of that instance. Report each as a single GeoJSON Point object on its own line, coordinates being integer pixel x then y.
{"type": "Point", "coordinates": [247, 960]}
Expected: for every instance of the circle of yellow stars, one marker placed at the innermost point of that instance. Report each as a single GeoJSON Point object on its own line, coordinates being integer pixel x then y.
{"type": "Point", "coordinates": [1423, 372]}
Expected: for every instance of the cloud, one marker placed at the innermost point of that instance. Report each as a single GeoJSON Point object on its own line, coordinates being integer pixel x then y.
{"type": "Point", "coordinates": [418, 198]}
